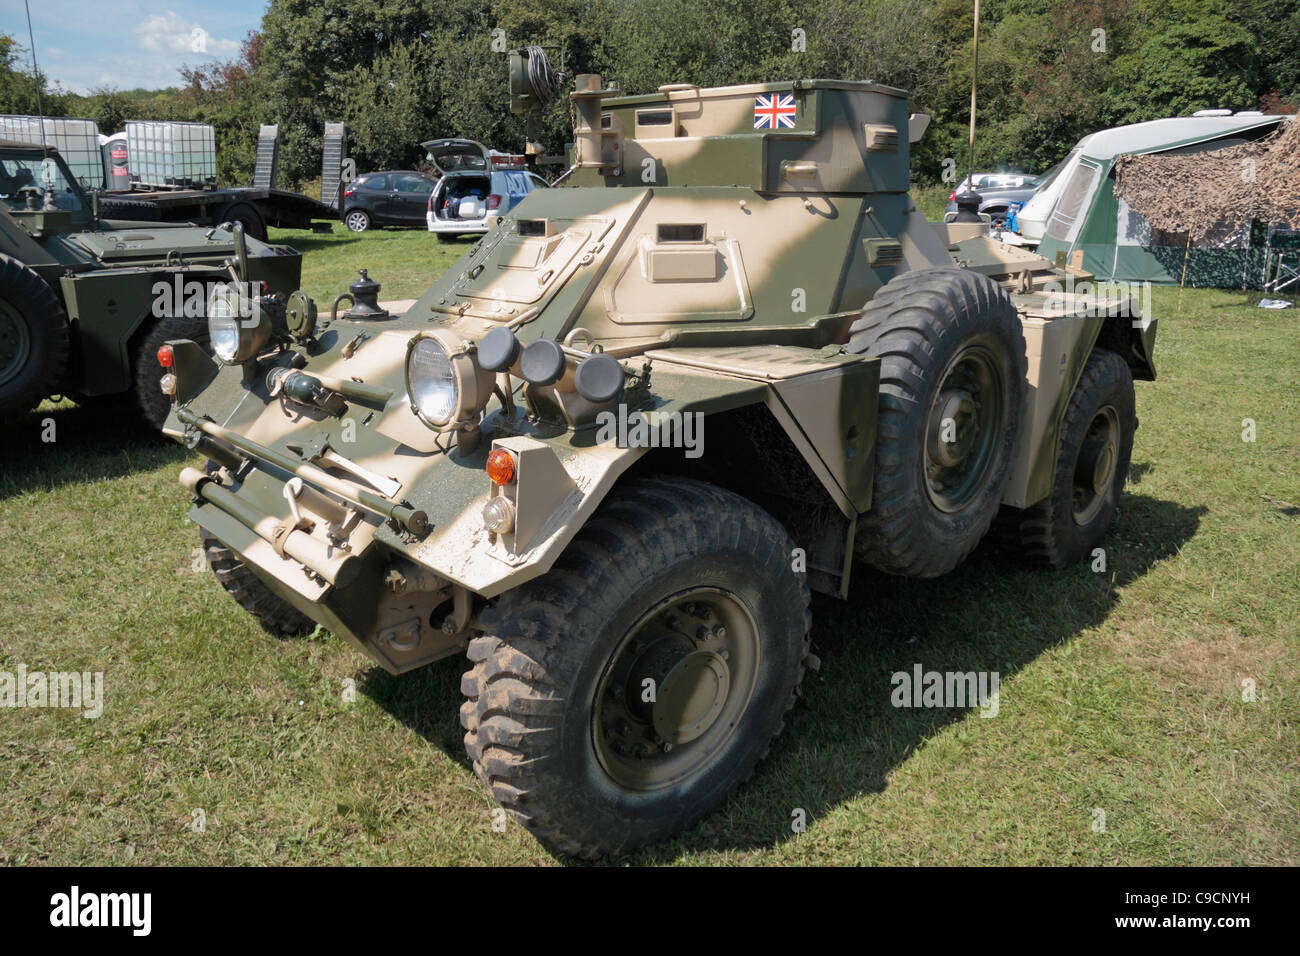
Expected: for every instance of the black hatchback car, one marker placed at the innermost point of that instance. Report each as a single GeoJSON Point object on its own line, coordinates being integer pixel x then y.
{"type": "Point", "coordinates": [390, 198]}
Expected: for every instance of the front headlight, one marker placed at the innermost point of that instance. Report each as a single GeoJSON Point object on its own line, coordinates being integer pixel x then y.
{"type": "Point", "coordinates": [238, 329]}
{"type": "Point", "coordinates": [432, 382]}
{"type": "Point", "coordinates": [446, 387]}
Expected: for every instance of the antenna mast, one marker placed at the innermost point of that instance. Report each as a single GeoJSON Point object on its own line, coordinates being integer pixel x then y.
{"type": "Point", "coordinates": [974, 72]}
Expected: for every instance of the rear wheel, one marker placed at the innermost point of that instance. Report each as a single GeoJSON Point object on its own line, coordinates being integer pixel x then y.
{"type": "Point", "coordinates": [34, 339]}
{"type": "Point", "coordinates": [357, 220]}
{"type": "Point", "coordinates": [248, 217]}
{"type": "Point", "coordinates": [952, 380]}
{"type": "Point", "coordinates": [620, 697]}
{"type": "Point", "coordinates": [1091, 467]}
{"type": "Point", "coordinates": [146, 371]}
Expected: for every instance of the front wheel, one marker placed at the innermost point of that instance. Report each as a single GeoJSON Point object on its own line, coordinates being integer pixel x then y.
{"type": "Point", "coordinates": [621, 696]}
{"type": "Point", "coordinates": [276, 615]}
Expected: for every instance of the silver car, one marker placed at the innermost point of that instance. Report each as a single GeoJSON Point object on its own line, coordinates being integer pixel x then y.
{"type": "Point", "coordinates": [477, 185]}
{"type": "Point", "coordinates": [998, 191]}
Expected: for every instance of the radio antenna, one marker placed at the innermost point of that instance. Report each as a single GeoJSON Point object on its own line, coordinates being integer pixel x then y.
{"type": "Point", "coordinates": [36, 78]}
{"type": "Point", "coordinates": [974, 72]}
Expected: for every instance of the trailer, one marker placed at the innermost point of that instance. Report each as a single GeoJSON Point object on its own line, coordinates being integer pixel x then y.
{"type": "Point", "coordinates": [252, 206]}
{"type": "Point", "coordinates": [165, 171]}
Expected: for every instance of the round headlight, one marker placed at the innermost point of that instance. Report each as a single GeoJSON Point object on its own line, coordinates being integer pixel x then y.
{"type": "Point", "coordinates": [447, 388]}
{"type": "Point", "coordinates": [434, 390]}
{"type": "Point", "coordinates": [237, 327]}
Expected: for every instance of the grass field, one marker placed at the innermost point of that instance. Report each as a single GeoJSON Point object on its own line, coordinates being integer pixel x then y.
{"type": "Point", "coordinates": [1121, 692]}
{"type": "Point", "coordinates": [404, 261]}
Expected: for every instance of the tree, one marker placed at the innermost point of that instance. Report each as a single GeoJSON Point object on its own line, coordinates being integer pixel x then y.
{"type": "Point", "coordinates": [109, 107]}
{"type": "Point", "coordinates": [23, 90]}
{"type": "Point", "coordinates": [1199, 64]}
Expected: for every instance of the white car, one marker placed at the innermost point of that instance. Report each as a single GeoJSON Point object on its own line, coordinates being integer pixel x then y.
{"type": "Point", "coordinates": [477, 185]}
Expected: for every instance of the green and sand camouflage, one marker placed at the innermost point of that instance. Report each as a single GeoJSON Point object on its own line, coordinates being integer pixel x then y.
{"type": "Point", "coordinates": [104, 272]}
{"type": "Point", "coordinates": [732, 278]}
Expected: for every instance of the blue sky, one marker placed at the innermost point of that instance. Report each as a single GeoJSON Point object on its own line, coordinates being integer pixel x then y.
{"type": "Point", "coordinates": [128, 43]}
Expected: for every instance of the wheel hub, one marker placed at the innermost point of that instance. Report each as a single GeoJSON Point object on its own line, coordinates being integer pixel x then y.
{"type": "Point", "coordinates": [674, 691]}
{"type": "Point", "coordinates": [962, 431]}
{"type": "Point", "coordinates": [954, 434]}
{"type": "Point", "coordinates": [1094, 471]}
{"type": "Point", "coordinates": [686, 688]}
{"type": "Point", "coordinates": [690, 697]}
{"type": "Point", "coordinates": [1096, 465]}
{"type": "Point", "coordinates": [15, 344]}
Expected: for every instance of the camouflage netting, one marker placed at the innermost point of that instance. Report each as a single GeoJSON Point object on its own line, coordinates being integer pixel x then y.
{"type": "Point", "coordinates": [1199, 195]}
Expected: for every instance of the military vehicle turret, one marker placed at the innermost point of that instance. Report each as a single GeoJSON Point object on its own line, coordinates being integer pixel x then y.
{"type": "Point", "coordinates": [85, 302]}
{"type": "Point", "coordinates": [611, 452]}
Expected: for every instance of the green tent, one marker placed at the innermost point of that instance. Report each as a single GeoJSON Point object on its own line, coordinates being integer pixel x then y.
{"type": "Point", "coordinates": [1080, 212]}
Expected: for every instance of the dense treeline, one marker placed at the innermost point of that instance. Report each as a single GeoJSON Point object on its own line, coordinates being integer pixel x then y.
{"type": "Point", "coordinates": [400, 71]}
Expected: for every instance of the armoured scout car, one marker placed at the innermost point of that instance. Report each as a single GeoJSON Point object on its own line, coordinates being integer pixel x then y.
{"type": "Point", "coordinates": [611, 452]}
{"type": "Point", "coordinates": [85, 302]}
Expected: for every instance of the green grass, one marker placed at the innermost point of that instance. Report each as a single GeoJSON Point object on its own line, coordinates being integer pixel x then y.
{"type": "Point", "coordinates": [1120, 691]}
{"type": "Point", "coordinates": [404, 261]}
{"type": "Point", "coordinates": [932, 200]}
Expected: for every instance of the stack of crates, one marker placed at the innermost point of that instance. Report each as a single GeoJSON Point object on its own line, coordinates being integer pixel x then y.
{"type": "Point", "coordinates": [171, 154]}
{"type": "Point", "coordinates": [77, 141]}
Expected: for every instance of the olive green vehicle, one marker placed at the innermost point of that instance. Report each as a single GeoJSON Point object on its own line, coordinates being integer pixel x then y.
{"type": "Point", "coordinates": [85, 302]}
{"type": "Point", "coordinates": [612, 451]}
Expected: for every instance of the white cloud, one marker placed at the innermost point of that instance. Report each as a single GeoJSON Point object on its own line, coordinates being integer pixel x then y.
{"type": "Point", "coordinates": [171, 33]}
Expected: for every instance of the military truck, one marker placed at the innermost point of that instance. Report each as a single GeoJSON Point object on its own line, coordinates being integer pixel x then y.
{"type": "Point", "coordinates": [85, 302]}
{"type": "Point", "coordinates": [611, 452]}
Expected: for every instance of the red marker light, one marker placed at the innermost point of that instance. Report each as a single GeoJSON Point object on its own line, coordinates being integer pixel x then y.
{"type": "Point", "coordinates": [494, 201]}
{"type": "Point", "coordinates": [165, 356]}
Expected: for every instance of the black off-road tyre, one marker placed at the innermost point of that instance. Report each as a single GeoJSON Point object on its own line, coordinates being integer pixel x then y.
{"type": "Point", "coordinates": [937, 331]}
{"type": "Point", "coordinates": [247, 216]}
{"type": "Point", "coordinates": [131, 210]}
{"type": "Point", "coordinates": [145, 370]}
{"type": "Point", "coordinates": [1053, 532]}
{"type": "Point", "coordinates": [535, 704]}
{"type": "Point", "coordinates": [277, 616]}
{"type": "Point", "coordinates": [34, 339]}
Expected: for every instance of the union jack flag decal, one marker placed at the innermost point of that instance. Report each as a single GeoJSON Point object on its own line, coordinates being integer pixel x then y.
{"type": "Point", "coordinates": [774, 111]}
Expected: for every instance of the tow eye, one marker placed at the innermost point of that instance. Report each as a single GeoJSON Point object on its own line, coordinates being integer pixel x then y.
{"type": "Point", "coordinates": [296, 522]}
